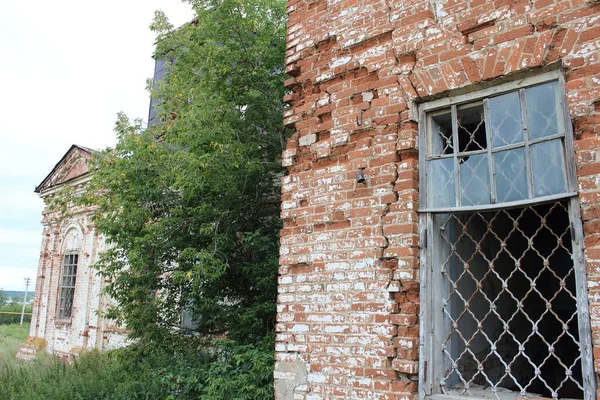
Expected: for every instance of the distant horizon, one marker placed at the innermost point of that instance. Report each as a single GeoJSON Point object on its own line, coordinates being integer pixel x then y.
{"type": "Point", "coordinates": [12, 285]}
{"type": "Point", "coordinates": [16, 291]}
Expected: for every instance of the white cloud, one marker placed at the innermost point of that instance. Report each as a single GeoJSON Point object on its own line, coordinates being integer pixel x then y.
{"type": "Point", "coordinates": [13, 199]}
{"type": "Point", "coordinates": [13, 278]}
{"type": "Point", "coordinates": [70, 66]}
{"type": "Point", "coordinates": [22, 237]}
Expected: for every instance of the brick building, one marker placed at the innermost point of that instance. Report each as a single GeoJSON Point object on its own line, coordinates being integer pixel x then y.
{"type": "Point", "coordinates": [442, 205]}
{"type": "Point", "coordinates": [68, 293]}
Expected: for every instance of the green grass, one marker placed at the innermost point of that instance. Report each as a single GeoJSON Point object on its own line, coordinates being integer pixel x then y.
{"type": "Point", "coordinates": [11, 337]}
{"type": "Point", "coordinates": [137, 372]}
{"type": "Point", "coordinates": [47, 377]}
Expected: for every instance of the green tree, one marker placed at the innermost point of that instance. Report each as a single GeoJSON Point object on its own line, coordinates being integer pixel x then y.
{"type": "Point", "coordinates": [190, 207]}
{"type": "Point", "coordinates": [3, 297]}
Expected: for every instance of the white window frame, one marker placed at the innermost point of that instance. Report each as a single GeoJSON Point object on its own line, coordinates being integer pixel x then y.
{"type": "Point", "coordinates": [429, 379]}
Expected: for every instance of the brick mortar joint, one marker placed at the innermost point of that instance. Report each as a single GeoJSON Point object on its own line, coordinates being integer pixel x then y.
{"type": "Point", "coordinates": [408, 74]}
{"type": "Point", "coordinates": [383, 258]}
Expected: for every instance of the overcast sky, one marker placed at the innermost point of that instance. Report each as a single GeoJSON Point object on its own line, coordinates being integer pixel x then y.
{"type": "Point", "coordinates": [67, 68]}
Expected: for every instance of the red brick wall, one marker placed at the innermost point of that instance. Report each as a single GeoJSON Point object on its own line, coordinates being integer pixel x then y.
{"type": "Point", "coordinates": [349, 292]}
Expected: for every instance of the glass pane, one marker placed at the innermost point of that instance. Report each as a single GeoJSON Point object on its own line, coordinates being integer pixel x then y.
{"type": "Point", "coordinates": [440, 128]}
{"type": "Point", "coordinates": [511, 175]}
{"type": "Point", "coordinates": [471, 128]}
{"type": "Point", "coordinates": [441, 183]}
{"type": "Point", "coordinates": [548, 168]}
{"type": "Point", "coordinates": [542, 116]}
{"type": "Point", "coordinates": [505, 119]}
{"type": "Point", "coordinates": [474, 180]}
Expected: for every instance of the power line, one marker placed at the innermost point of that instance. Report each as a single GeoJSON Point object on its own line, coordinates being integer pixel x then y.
{"type": "Point", "coordinates": [27, 281]}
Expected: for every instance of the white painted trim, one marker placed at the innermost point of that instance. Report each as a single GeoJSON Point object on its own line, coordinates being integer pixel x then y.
{"type": "Point", "coordinates": [75, 182]}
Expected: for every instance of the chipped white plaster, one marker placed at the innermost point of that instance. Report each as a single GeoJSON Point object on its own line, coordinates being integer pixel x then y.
{"type": "Point", "coordinates": [307, 140]}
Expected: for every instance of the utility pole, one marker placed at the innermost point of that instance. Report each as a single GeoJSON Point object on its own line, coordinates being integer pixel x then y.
{"type": "Point", "coordinates": [27, 280]}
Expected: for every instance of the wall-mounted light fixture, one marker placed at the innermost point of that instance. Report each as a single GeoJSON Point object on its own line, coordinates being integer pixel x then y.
{"type": "Point", "coordinates": [360, 176]}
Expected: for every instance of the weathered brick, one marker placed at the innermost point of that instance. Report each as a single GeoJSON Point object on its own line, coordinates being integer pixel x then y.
{"type": "Point", "coordinates": [382, 58]}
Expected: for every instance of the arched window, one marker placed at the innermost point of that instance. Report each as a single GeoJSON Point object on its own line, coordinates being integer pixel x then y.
{"type": "Point", "coordinates": [68, 274]}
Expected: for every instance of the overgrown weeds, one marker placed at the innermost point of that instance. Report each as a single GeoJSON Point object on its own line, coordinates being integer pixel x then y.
{"type": "Point", "coordinates": [223, 371]}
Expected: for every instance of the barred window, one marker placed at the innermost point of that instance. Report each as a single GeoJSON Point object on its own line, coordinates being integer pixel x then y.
{"type": "Point", "coordinates": [67, 285]}
{"type": "Point", "coordinates": [505, 310]}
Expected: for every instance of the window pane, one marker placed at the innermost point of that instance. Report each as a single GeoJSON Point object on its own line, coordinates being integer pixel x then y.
{"type": "Point", "coordinates": [67, 289]}
{"type": "Point", "coordinates": [548, 168]}
{"type": "Point", "coordinates": [505, 119]}
{"type": "Point", "coordinates": [68, 302]}
{"type": "Point", "coordinates": [511, 175]}
{"type": "Point", "coordinates": [541, 110]}
{"type": "Point", "coordinates": [440, 128]}
{"type": "Point", "coordinates": [441, 183]}
{"type": "Point", "coordinates": [471, 128]}
{"type": "Point", "coordinates": [474, 180]}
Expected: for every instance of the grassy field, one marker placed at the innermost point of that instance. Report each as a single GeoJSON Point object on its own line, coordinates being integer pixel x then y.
{"type": "Point", "coordinates": [48, 377]}
{"type": "Point", "coordinates": [11, 337]}
{"type": "Point", "coordinates": [133, 373]}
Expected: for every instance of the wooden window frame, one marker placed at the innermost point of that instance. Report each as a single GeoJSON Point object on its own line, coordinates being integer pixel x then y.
{"type": "Point", "coordinates": [428, 381]}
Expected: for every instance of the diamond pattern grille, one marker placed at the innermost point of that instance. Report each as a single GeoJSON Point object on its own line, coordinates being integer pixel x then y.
{"type": "Point", "coordinates": [509, 302]}
{"type": "Point", "coordinates": [67, 286]}
{"type": "Point", "coordinates": [445, 138]}
{"type": "Point", "coordinates": [471, 129]}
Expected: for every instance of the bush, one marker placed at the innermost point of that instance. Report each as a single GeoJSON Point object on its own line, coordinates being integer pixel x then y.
{"type": "Point", "coordinates": [14, 318]}
{"type": "Point", "coordinates": [225, 370]}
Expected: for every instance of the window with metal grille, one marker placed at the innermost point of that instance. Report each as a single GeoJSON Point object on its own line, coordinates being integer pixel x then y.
{"type": "Point", "coordinates": [67, 285]}
{"type": "Point", "coordinates": [504, 301]}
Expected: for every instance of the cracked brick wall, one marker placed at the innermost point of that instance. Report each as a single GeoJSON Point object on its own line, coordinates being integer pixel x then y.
{"type": "Point", "coordinates": [348, 305]}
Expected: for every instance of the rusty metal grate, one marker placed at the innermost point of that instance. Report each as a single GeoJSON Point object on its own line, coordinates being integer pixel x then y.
{"type": "Point", "coordinates": [509, 302]}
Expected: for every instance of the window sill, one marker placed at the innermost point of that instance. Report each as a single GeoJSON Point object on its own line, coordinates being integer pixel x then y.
{"type": "Point", "coordinates": [498, 206]}
{"type": "Point", "coordinates": [480, 393]}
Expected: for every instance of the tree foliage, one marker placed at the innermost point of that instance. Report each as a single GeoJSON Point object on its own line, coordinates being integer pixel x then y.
{"type": "Point", "coordinates": [190, 206]}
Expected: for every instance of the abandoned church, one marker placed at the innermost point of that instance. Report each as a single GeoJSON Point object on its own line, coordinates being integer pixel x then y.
{"type": "Point", "coordinates": [441, 207]}
{"type": "Point", "coordinates": [442, 202]}
{"type": "Point", "coordinates": [67, 314]}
